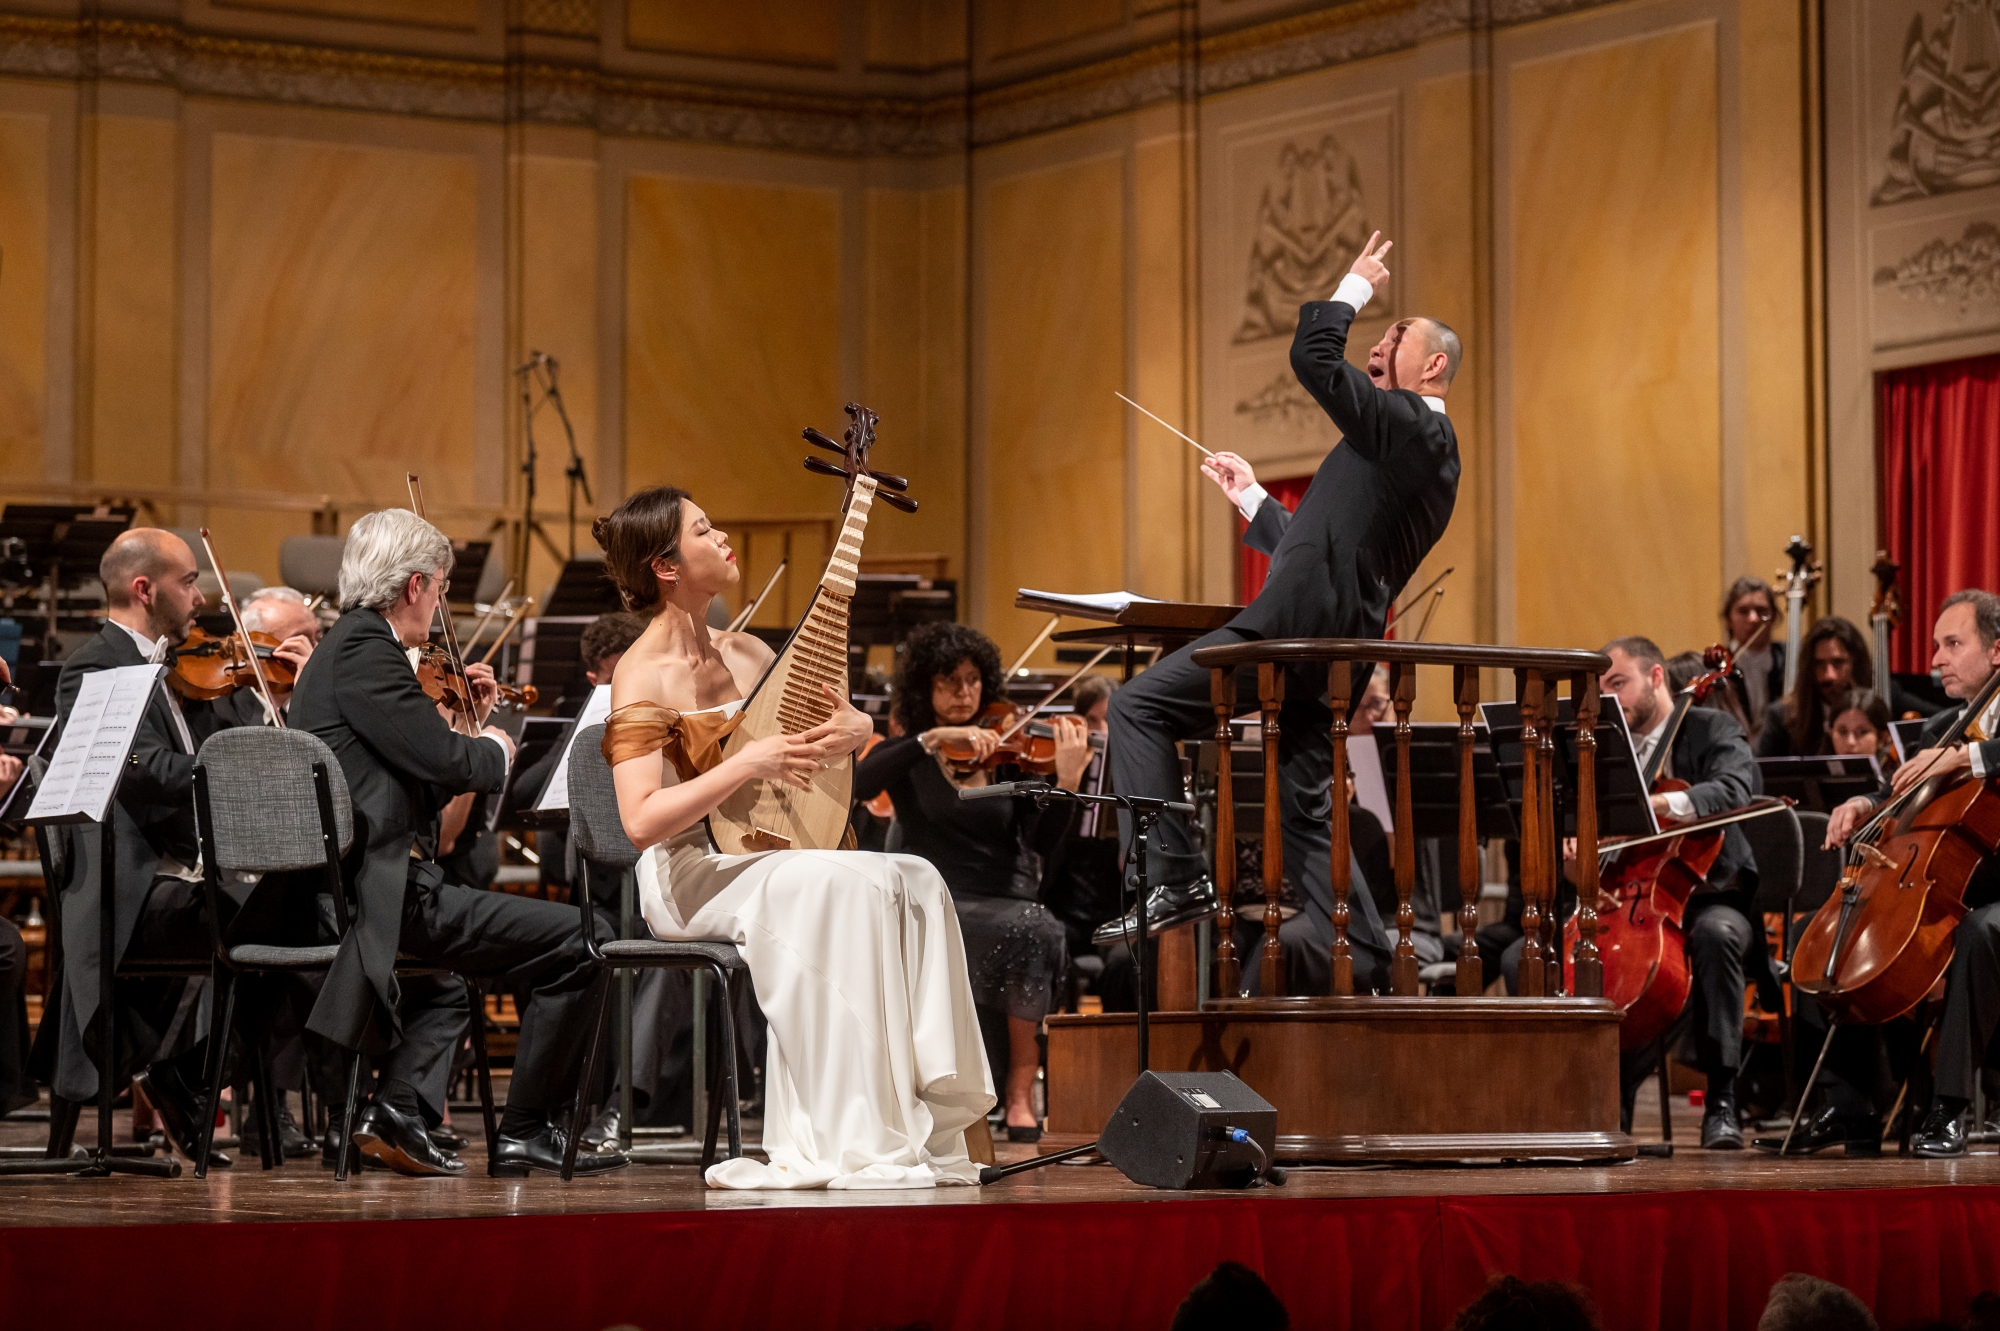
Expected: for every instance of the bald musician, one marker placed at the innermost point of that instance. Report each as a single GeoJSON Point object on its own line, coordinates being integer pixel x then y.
{"type": "Point", "coordinates": [1379, 502]}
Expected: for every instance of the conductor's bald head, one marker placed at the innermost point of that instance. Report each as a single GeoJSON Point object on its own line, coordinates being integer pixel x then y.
{"type": "Point", "coordinates": [149, 581]}
{"type": "Point", "coordinates": [1420, 354]}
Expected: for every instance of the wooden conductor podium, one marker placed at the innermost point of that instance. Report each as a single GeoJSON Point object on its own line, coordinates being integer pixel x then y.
{"type": "Point", "coordinates": [1396, 1076]}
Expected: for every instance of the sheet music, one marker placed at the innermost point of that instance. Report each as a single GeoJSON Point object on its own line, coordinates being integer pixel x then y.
{"type": "Point", "coordinates": [555, 795]}
{"type": "Point", "coordinates": [1111, 603]}
{"type": "Point", "coordinates": [95, 742]}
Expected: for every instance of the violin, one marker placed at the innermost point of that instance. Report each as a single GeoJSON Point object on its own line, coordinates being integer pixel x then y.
{"type": "Point", "coordinates": [1650, 880]}
{"type": "Point", "coordinates": [1025, 743]}
{"type": "Point", "coordinates": [209, 665]}
{"type": "Point", "coordinates": [446, 685]}
{"type": "Point", "coordinates": [1885, 937]}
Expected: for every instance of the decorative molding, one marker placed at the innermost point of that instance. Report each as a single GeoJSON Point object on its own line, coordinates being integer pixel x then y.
{"type": "Point", "coordinates": [1311, 222]}
{"type": "Point", "coordinates": [1945, 131]}
{"type": "Point", "coordinates": [1962, 273]}
{"type": "Point", "coordinates": [1283, 404]}
{"type": "Point", "coordinates": [201, 64]}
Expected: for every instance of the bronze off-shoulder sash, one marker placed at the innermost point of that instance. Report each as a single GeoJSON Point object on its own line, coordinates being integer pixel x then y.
{"type": "Point", "coordinates": [692, 741]}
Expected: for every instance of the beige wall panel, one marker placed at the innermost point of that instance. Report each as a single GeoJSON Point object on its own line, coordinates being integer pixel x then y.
{"type": "Point", "coordinates": [558, 315]}
{"type": "Point", "coordinates": [732, 344]}
{"type": "Point", "coordinates": [421, 13]}
{"type": "Point", "coordinates": [1614, 327]}
{"type": "Point", "coordinates": [914, 362]}
{"type": "Point", "coordinates": [915, 34]}
{"type": "Point", "coordinates": [130, 377]}
{"type": "Point", "coordinates": [1008, 27]}
{"type": "Point", "coordinates": [1164, 470]}
{"type": "Point", "coordinates": [1051, 349]}
{"type": "Point", "coordinates": [24, 276]}
{"type": "Point", "coordinates": [1776, 441]}
{"type": "Point", "coordinates": [796, 32]}
{"type": "Point", "coordinates": [342, 314]}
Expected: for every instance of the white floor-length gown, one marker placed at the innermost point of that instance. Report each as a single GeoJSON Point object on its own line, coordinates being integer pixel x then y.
{"type": "Point", "coordinates": [875, 1066]}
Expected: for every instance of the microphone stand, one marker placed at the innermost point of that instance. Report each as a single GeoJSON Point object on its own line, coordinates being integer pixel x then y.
{"type": "Point", "coordinates": [529, 463]}
{"type": "Point", "coordinates": [1145, 812]}
{"type": "Point", "coordinates": [574, 473]}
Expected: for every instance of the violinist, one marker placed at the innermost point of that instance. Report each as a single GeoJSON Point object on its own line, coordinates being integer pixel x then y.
{"type": "Point", "coordinates": [280, 613]}
{"type": "Point", "coordinates": [1966, 642]}
{"type": "Point", "coordinates": [149, 584]}
{"type": "Point", "coordinates": [403, 762]}
{"type": "Point", "coordinates": [988, 851]}
{"type": "Point", "coordinates": [1712, 756]}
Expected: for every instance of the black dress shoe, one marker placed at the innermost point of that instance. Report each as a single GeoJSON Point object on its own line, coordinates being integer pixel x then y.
{"type": "Point", "coordinates": [401, 1142]}
{"type": "Point", "coordinates": [292, 1144]}
{"type": "Point", "coordinates": [446, 1140]}
{"type": "Point", "coordinates": [1829, 1127]}
{"type": "Point", "coordinates": [1016, 1133]}
{"type": "Point", "coordinates": [178, 1106]}
{"type": "Point", "coordinates": [329, 1152]}
{"type": "Point", "coordinates": [1942, 1137]}
{"type": "Point", "coordinates": [1166, 906]}
{"type": "Point", "coordinates": [1719, 1129]}
{"type": "Point", "coordinates": [602, 1134]}
{"type": "Point", "coordinates": [517, 1157]}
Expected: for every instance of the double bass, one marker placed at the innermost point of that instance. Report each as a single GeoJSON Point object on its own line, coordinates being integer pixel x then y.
{"type": "Point", "coordinates": [1644, 886]}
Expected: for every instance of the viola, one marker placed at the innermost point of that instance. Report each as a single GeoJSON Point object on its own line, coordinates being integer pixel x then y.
{"type": "Point", "coordinates": [447, 685]}
{"type": "Point", "coordinates": [209, 665]}
{"type": "Point", "coordinates": [1882, 941]}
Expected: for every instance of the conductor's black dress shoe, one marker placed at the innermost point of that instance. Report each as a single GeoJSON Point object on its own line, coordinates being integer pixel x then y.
{"type": "Point", "coordinates": [517, 1157]}
{"type": "Point", "coordinates": [1167, 906]}
{"type": "Point", "coordinates": [401, 1142]}
{"type": "Point", "coordinates": [1861, 1135]}
{"type": "Point", "coordinates": [1719, 1129]}
{"type": "Point", "coordinates": [1942, 1137]}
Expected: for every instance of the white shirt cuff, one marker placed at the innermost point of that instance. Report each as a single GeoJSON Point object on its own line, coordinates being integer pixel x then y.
{"type": "Point", "coordinates": [1978, 763]}
{"type": "Point", "coordinates": [506, 749]}
{"type": "Point", "coordinates": [1679, 806]}
{"type": "Point", "coordinates": [1250, 500]}
{"type": "Point", "coordinates": [1354, 290]}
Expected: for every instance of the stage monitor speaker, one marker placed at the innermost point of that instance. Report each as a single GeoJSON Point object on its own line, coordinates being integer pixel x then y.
{"type": "Point", "coordinates": [1172, 1130]}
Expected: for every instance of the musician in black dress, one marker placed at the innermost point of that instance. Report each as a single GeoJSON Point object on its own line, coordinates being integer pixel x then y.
{"type": "Point", "coordinates": [1379, 502]}
{"type": "Point", "coordinates": [988, 851]}
{"type": "Point", "coordinates": [1966, 644]}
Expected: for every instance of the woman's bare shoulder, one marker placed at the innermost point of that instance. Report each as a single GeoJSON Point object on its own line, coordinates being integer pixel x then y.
{"type": "Point", "coordinates": [646, 673]}
{"type": "Point", "coordinates": [747, 656]}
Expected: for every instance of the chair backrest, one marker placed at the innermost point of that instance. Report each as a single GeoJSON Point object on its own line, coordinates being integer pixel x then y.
{"type": "Point", "coordinates": [311, 564]}
{"type": "Point", "coordinates": [1779, 848]}
{"type": "Point", "coordinates": [1821, 867]}
{"type": "Point", "coordinates": [594, 826]}
{"type": "Point", "coordinates": [263, 804]}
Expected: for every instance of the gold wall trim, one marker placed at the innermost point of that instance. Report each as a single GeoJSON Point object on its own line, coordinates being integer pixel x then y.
{"type": "Point", "coordinates": [540, 91]}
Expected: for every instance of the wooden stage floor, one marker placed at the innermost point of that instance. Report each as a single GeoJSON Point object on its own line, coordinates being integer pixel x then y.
{"type": "Point", "coordinates": [303, 1191]}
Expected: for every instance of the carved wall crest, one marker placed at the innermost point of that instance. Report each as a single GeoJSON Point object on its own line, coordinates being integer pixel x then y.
{"type": "Point", "coordinates": [1963, 272]}
{"type": "Point", "coordinates": [1311, 222]}
{"type": "Point", "coordinates": [1282, 404]}
{"type": "Point", "coordinates": [1946, 132]}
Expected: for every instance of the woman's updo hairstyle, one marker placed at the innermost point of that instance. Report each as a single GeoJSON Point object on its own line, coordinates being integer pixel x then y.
{"type": "Point", "coordinates": [646, 527]}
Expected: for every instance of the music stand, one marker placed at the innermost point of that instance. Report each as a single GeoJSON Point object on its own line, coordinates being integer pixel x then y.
{"type": "Point", "coordinates": [1434, 781]}
{"type": "Point", "coordinates": [540, 738]}
{"type": "Point", "coordinates": [1820, 784]}
{"type": "Point", "coordinates": [583, 588]}
{"type": "Point", "coordinates": [103, 754]}
{"type": "Point", "coordinates": [1907, 736]}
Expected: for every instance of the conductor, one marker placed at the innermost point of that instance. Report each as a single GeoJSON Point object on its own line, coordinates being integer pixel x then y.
{"type": "Point", "coordinates": [1378, 503]}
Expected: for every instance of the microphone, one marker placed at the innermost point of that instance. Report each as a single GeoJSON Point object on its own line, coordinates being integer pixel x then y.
{"type": "Point", "coordinates": [1003, 790]}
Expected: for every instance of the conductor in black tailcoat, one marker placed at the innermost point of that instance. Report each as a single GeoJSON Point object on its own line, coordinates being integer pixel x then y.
{"type": "Point", "coordinates": [403, 762]}
{"type": "Point", "coordinates": [1378, 504]}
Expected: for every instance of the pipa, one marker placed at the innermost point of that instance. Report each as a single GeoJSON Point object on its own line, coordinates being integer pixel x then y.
{"type": "Point", "coordinates": [770, 815]}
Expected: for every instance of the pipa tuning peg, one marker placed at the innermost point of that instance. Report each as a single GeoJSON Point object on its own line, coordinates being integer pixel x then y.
{"type": "Point", "coordinates": [888, 482]}
{"type": "Point", "coordinates": [825, 468]}
{"type": "Point", "coordinates": [817, 439]}
{"type": "Point", "coordinates": [894, 500]}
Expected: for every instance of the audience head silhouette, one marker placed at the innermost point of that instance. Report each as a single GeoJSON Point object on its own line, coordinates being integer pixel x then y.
{"type": "Point", "coordinates": [1807, 1303]}
{"type": "Point", "coordinates": [1232, 1297]}
{"type": "Point", "coordinates": [1513, 1304]}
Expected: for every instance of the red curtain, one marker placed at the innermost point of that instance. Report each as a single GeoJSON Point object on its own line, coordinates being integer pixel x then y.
{"type": "Point", "coordinates": [1252, 565]}
{"type": "Point", "coordinates": [1938, 428]}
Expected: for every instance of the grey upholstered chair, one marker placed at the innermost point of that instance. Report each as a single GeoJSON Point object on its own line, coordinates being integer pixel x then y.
{"type": "Point", "coordinates": [598, 838]}
{"type": "Point", "coordinates": [275, 801]}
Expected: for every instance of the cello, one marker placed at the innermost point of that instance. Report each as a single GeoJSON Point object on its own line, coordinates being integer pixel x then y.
{"type": "Point", "coordinates": [1645, 883]}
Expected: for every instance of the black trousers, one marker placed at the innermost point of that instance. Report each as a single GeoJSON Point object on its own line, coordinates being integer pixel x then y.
{"type": "Point", "coordinates": [17, 1084]}
{"type": "Point", "coordinates": [1722, 944]}
{"type": "Point", "coordinates": [1971, 1003]}
{"type": "Point", "coordinates": [1170, 702]}
{"type": "Point", "coordinates": [521, 942]}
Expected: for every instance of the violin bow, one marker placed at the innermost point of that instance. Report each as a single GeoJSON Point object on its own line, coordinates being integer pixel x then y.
{"type": "Point", "coordinates": [750, 611]}
{"type": "Point", "coordinates": [1040, 638]}
{"type": "Point", "coordinates": [243, 634]}
{"type": "Point", "coordinates": [452, 653]}
{"type": "Point", "coordinates": [1053, 694]}
{"type": "Point", "coordinates": [487, 618]}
